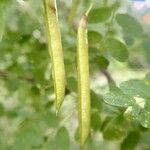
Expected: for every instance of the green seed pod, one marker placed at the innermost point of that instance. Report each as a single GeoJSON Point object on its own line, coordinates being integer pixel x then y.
{"type": "Point", "coordinates": [55, 50]}
{"type": "Point", "coordinates": [83, 81]}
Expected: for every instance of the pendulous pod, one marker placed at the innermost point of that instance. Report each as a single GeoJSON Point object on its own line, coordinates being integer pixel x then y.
{"type": "Point", "coordinates": [55, 50]}
{"type": "Point", "coordinates": [83, 81]}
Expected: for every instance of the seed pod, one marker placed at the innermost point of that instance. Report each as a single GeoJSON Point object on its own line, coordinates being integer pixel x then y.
{"type": "Point", "coordinates": [83, 81]}
{"type": "Point", "coordinates": [55, 50]}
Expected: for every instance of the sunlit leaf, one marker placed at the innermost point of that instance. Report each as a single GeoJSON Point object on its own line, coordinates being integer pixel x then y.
{"type": "Point", "coordinates": [117, 98]}
{"type": "Point", "coordinates": [136, 87]}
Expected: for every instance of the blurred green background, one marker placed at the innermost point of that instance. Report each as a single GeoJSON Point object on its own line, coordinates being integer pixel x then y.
{"type": "Point", "coordinates": [119, 57]}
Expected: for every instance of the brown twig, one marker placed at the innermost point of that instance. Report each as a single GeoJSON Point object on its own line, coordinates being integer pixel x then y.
{"type": "Point", "coordinates": [110, 80]}
{"type": "Point", "coordinates": [3, 74]}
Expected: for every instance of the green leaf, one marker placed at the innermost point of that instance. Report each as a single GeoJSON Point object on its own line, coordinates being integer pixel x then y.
{"type": "Point", "coordinates": [117, 98]}
{"type": "Point", "coordinates": [145, 115]}
{"type": "Point", "coordinates": [117, 49]}
{"type": "Point", "coordinates": [4, 2]}
{"type": "Point", "coordinates": [39, 73]}
{"type": "Point", "coordinates": [145, 139]}
{"type": "Point", "coordinates": [96, 101]}
{"type": "Point", "coordinates": [97, 61]}
{"type": "Point", "coordinates": [3, 143]}
{"type": "Point", "coordinates": [132, 112]}
{"type": "Point", "coordinates": [99, 15]}
{"type": "Point", "coordinates": [94, 37]}
{"type": "Point", "coordinates": [48, 145]}
{"type": "Point", "coordinates": [1, 23]}
{"type": "Point", "coordinates": [95, 121]}
{"type": "Point", "coordinates": [131, 141]}
{"type": "Point", "coordinates": [62, 139]}
{"type": "Point", "coordinates": [72, 84]}
{"type": "Point", "coordinates": [146, 48]}
{"type": "Point", "coordinates": [116, 5]}
{"type": "Point", "coordinates": [129, 24]}
{"type": "Point", "coordinates": [50, 119]}
{"type": "Point", "coordinates": [147, 78]}
{"type": "Point", "coordinates": [139, 90]}
{"type": "Point", "coordinates": [76, 134]}
{"type": "Point", "coordinates": [113, 132]}
{"type": "Point", "coordinates": [93, 53]}
{"type": "Point", "coordinates": [129, 39]}
{"type": "Point", "coordinates": [70, 66]}
{"type": "Point", "coordinates": [35, 91]}
{"type": "Point", "coordinates": [12, 84]}
{"type": "Point", "coordinates": [12, 114]}
{"type": "Point", "coordinates": [2, 110]}
{"type": "Point", "coordinates": [102, 62]}
{"type": "Point", "coordinates": [146, 44]}
{"type": "Point", "coordinates": [114, 129]}
{"type": "Point", "coordinates": [136, 87]}
{"type": "Point", "coordinates": [29, 135]}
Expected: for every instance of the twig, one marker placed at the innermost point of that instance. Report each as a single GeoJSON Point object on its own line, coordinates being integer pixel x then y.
{"type": "Point", "coordinates": [110, 80]}
{"type": "Point", "coordinates": [3, 74]}
{"type": "Point", "coordinates": [6, 75]}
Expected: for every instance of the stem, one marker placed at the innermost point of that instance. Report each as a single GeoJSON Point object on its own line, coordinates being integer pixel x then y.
{"type": "Point", "coordinates": [110, 80]}
{"type": "Point", "coordinates": [89, 9]}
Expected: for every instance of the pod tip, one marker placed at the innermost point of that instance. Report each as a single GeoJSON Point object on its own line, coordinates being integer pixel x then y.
{"type": "Point", "coordinates": [83, 21]}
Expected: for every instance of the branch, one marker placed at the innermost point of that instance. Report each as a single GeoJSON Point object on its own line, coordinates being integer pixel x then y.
{"type": "Point", "coordinates": [3, 75]}
{"type": "Point", "coordinates": [6, 75]}
{"type": "Point", "coordinates": [110, 80]}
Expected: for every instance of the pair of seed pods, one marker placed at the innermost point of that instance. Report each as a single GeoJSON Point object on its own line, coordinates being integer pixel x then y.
{"type": "Point", "coordinates": [58, 68]}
